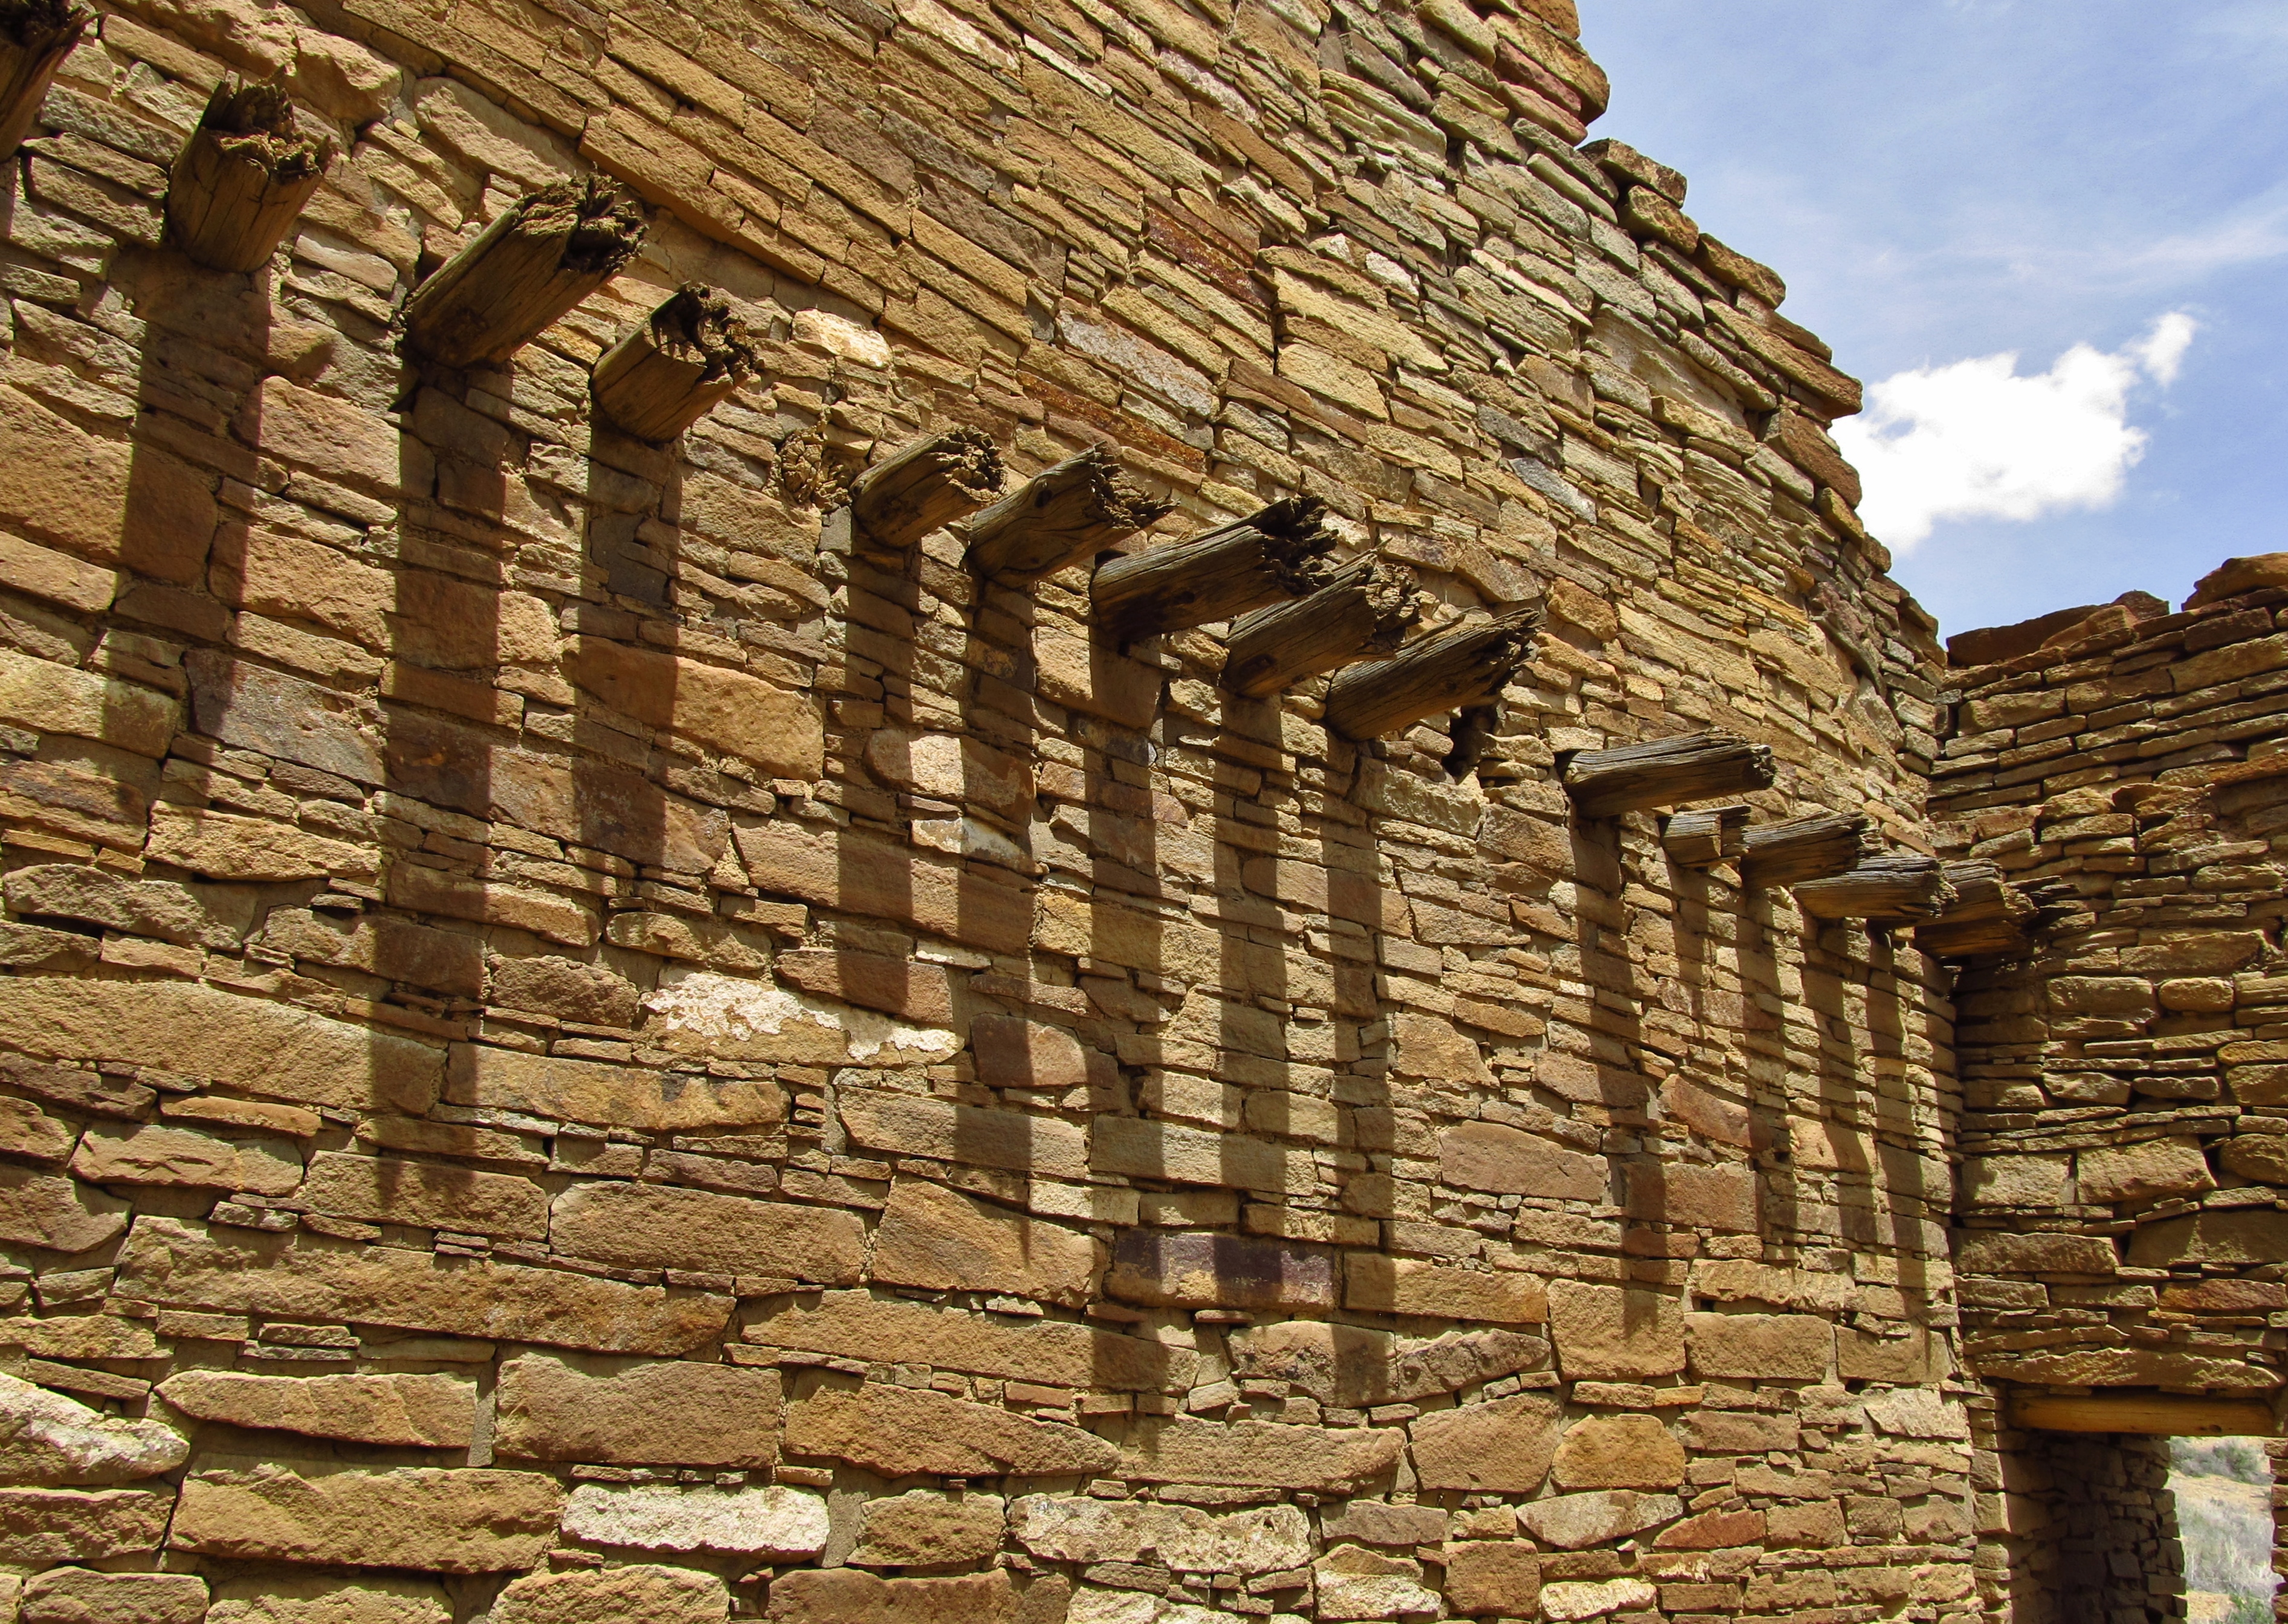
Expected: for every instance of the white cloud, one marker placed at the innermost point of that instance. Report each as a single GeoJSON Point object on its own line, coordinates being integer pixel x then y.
{"type": "Point", "coordinates": [2162, 350]}
{"type": "Point", "coordinates": [1973, 440]}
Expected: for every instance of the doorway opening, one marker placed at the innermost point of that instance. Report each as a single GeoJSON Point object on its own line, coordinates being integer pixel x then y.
{"type": "Point", "coordinates": [2222, 1491]}
{"type": "Point", "coordinates": [2132, 1506]}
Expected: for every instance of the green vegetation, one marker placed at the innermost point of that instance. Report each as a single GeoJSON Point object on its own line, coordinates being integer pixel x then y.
{"type": "Point", "coordinates": [2223, 1489]}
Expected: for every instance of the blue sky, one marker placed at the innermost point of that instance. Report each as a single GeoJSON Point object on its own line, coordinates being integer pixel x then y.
{"type": "Point", "coordinates": [1945, 182]}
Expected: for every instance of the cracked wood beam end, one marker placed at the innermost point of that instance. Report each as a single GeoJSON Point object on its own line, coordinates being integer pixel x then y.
{"type": "Point", "coordinates": [673, 368]}
{"type": "Point", "coordinates": [1804, 848]}
{"type": "Point", "coordinates": [924, 487]}
{"type": "Point", "coordinates": [1895, 887]}
{"type": "Point", "coordinates": [1447, 670]}
{"type": "Point", "coordinates": [1666, 771]}
{"type": "Point", "coordinates": [1271, 554]}
{"type": "Point", "coordinates": [1988, 914]}
{"type": "Point", "coordinates": [36, 36]}
{"type": "Point", "coordinates": [1364, 610]}
{"type": "Point", "coordinates": [546, 252]}
{"type": "Point", "coordinates": [242, 178]}
{"type": "Point", "coordinates": [1704, 839]}
{"type": "Point", "coordinates": [1081, 506]}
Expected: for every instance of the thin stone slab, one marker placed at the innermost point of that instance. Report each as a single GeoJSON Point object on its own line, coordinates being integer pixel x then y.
{"type": "Point", "coordinates": [902, 1432]}
{"type": "Point", "coordinates": [48, 1439]}
{"type": "Point", "coordinates": [420, 1412]}
{"type": "Point", "coordinates": [40, 1527]}
{"type": "Point", "coordinates": [858, 1324]}
{"type": "Point", "coordinates": [656, 1226]}
{"type": "Point", "coordinates": [779, 1524]}
{"type": "Point", "coordinates": [188, 1265]}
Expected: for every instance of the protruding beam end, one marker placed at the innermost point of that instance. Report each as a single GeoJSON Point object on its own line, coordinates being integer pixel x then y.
{"type": "Point", "coordinates": [672, 370]}
{"type": "Point", "coordinates": [1431, 676]}
{"type": "Point", "coordinates": [522, 273]}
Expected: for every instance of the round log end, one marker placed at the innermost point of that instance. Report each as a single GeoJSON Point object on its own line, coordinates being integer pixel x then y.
{"type": "Point", "coordinates": [39, 24]}
{"type": "Point", "coordinates": [699, 326]}
{"type": "Point", "coordinates": [602, 226]}
{"type": "Point", "coordinates": [1394, 597]}
{"type": "Point", "coordinates": [971, 462]}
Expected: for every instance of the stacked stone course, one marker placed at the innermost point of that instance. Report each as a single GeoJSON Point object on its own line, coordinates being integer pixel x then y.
{"type": "Point", "coordinates": [585, 1038]}
{"type": "Point", "coordinates": [2125, 1144]}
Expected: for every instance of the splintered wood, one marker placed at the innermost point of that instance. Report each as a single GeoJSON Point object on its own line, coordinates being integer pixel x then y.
{"type": "Point", "coordinates": [1988, 914]}
{"type": "Point", "coordinates": [544, 254]}
{"type": "Point", "coordinates": [1664, 772]}
{"type": "Point", "coordinates": [1803, 848]}
{"type": "Point", "coordinates": [668, 373]}
{"type": "Point", "coordinates": [1447, 670]}
{"type": "Point", "coordinates": [1366, 609]}
{"type": "Point", "coordinates": [1271, 554]}
{"type": "Point", "coordinates": [36, 35]}
{"type": "Point", "coordinates": [1078, 507]}
{"type": "Point", "coordinates": [924, 487]}
{"type": "Point", "coordinates": [1898, 885]}
{"type": "Point", "coordinates": [1703, 838]}
{"type": "Point", "coordinates": [243, 177]}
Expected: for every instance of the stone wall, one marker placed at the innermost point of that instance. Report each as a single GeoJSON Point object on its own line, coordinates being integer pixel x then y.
{"type": "Point", "coordinates": [2124, 1141]}
{"type": "Point", "coordinates": [577, 1047]}
{"type": "Point", "coordinates": [2095, 1535]}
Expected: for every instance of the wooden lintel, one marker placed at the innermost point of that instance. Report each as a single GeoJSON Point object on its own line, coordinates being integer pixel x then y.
{"type": "Point", "coordinates": [1078, 507]}
{"type": "Point", "coordinates": [241, 181]}
{"type": "Point", "coordinates": [36, 36]}
{"type": "Point", "coordinates": [1893, 887]}
{"type": "Point", "coordinates": [671, 368]}
{"type": "Point", "coordinates": [1272, 554]}
{"type": "Point", "coordinates": [2154, 1415]}
{"type": "Point", "coordinates": [1666, 771]}
{"type": "Point", "coordinates": [1803, 848]}
{"type": "Point", "coordinates": [1707, 836]}
{"type": "Point", "coordinates": [1447, 670]}
{"type": "Point", "coordinates": [921, 486]}
{"type": "Point", "coordinates": [1364, 610]}
{"type": "Point", "coordinates": [545, 252]}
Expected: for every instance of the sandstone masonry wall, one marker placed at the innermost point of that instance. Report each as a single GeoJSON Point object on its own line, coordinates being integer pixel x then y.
{"type": "Point", "coordinates": [2124, 1142]}
{"type": "Point", "coordinates": [576, 1047]}
{"type": "Point", "coordinates": [2108, 1547]}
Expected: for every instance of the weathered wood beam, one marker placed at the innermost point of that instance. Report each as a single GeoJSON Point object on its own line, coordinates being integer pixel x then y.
{"type": "Point", "coordinates": [1704, 839]}
{"type": "Point", "coordinates": [924, 487]}
{"type": "Point", "coordinates": [1804, 848]}
{"type": "Point", "coordinates": [1988, 914]}
{"type": "Point", "coordinates": [2153, 1414]}
{"type": "Point", "coordinates": [1894, 886]}
{"type": "Point", "coordinates": [1664, 772]}
{"type": "Point", "coordinates": [1365, 609]}
{"type": "Point", "coordinates": [242, 178]}
{"type": "Point", "coordinates": [671, 369]}
{"type": "Point", "coordinates": [1078, 507]}
{"type": "Point", "coordinates": [1271, 554]}
{"type": "Point", "coordinates": [1431, 676]}
{"type": "Point", "coordinates": [546, 252]}
{"type": "Point", "coordinates": [36, 36]}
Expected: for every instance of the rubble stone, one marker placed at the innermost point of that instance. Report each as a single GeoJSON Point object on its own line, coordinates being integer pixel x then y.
{"type": "Point", "coordinates": [373, 1599]}
{"type": "Point", "coordinates": [48, 1438]}
{"type": "Point", "coordinates": [667, 1595]}
{"type": "Point", "coordinates": [927, 1528]}
{"type": "Point", "coordinates": [781, 1524]}
{"type": "Point", "coordinates": [82, 1595]}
